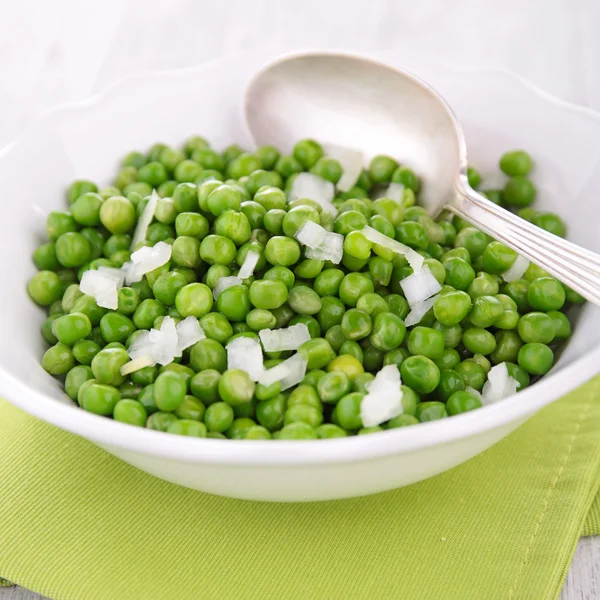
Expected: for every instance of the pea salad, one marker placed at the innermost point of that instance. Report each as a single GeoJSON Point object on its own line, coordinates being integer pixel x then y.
{"type": "Point", "coordinates": [256, 295]}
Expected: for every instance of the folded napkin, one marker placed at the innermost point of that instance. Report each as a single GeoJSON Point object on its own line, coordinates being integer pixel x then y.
{"type": "Point", "coordinates": [76, 523]}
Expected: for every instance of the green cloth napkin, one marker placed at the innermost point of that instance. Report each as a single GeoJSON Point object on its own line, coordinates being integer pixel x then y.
{"type": "Point", "coordinates": [76, 523]}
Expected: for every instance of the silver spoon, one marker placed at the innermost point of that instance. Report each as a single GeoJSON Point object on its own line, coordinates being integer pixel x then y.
{"type": "Point", "coordinates": [360, 103]}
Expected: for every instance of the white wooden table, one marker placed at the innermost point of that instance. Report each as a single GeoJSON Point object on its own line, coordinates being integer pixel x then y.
{"type": "Point", "coordinates": [583, 580]}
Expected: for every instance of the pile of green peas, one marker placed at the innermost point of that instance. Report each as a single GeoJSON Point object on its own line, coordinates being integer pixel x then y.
{"type": "Point", "coordinates": [214, 208]}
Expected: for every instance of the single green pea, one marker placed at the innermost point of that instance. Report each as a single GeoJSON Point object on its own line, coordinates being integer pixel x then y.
{"type": "Point", "coordinates": [204, 385]}
{"type": "Point", "coordinates": [551, 222]}
{"type": "Point", "coordinates": [497, 258]}
{"type": "Point", "coordinates": [44, 288]}
{"type": "Point", "coordinates": [208, 354]}
{"type": "Point", "coordinates": [402, 421]}
{"type": "Point", "coordinates": [85, 350]}
{"type": "Point", "coordinates": [426, 342]}
{"type": "Point", "coordinates": [391, 211]}
{"type": "Point", "coordinates": [517, 291]}
{"type": "Point", "coordinates": [516, 162]}
{"type": "Point", "coordinates": [472, 373]}
{"type": "Point", "coordinates": [76, 377]}
{"type": "Point", "coordinates": [449, 359]}
{"type": "Point", "coordinates": [144, 376]}
{"type": "Point", "coordinates": [353, 286]}
{"type": "Point", "coordinates": [191, 224]}
{"type": "Point", "coordinates": [420, 373]}
{"type": "Point", "coordinates": [412, 234]}
{"type": "Point", "coordinates": [562, 325]}
{"type": "Point", "coordinates": [283, 315]}
{"type": "Point", "coordinates": [296, 431]}
{"type": "Point", "coordinates": [407, 178]}
{"type": "Point", "coordinates": [188, 428]}
{"type": "Point", "coordinates": [546, 293]}
{"type": "Point", "coordinates": [106, 366]}
{"type": "Point", "coordinates": [169, 391]}
{"type": "Point", "coordinates": [307, 152]}
{"type": "Point", "coordinates": [115, 327]}
{"type": "Point", "coordinates": [451, 308]}
{"type": "Point", "coordinates": [268, 294]}
{"type": "Point", "coordinates": [187, 171]}
{"type": "Point", "coordinates": [328, 282]}
{"type": "Point", "coordinates": [356, 324]}
{"type": "Point", "coordinates": [450, 382]}
{"type": "Point", "coordinates": [360, 381]}
{"type": "Point", "coordinates": [483, 285]}
{"type": "Point", "coordinates": [452, 334]}
{"type": "Point", "coordinates": [268, 156]}
{"type": "Point", "coordinates": [147, 312]}
{"type": "Point", "coordinates": [131, 412]}
{"type": "Point", "coordinates": [280, 273]}
{"type": "Point", "coordinates": [44, 257]}
{"type": "Point", "coordinates": [478, 340]}
{"type": "Point", "coordinates": [100, 399]}
{"type": "Point", "coordinates": [474, 177]}
{"type": "Point", "coordinates": [266, 392]}
{"type": "Point", "coordinates": [333, 386]}
{"type": "Point", "coordinates": [185, 251]}
{"type": "Point", "coordinates": [536, 327]}
{"type": "Point", "coordinates": [86, 209]}
{"type": "Point", "coordinates": [273, 221]}
{"type": "Point", "coordinates": [234, 303]}
{"type": "Point", "coordinates": [396, 356]}
{"type": "Point", "coordinates": [282, 250]}
{"type": "Point", "coordinates": [486, 311]}
{"type": "Point", "coordinates": [349, 221]}
{"type": "Point", "coordinates": [473, 240]}
{"type": "Point", "coordinates": [304, 300]}
{"type": "Point", "coordinates": [329, 431]}
{"type": "Point", "coordinates": [72, 328]}
{"type": "Point", "coordinates": [193, 300]}
{"type": "Point", "coordinates": [347, 411]}
{"type": "Point", "coordinates": [372, 304]}
{"type": "Point", "coordinates": [381, 168]}
{"type": "Point", "coordinates": [431, 411]}
{"type": "Point", "coordinates": [88, 306]}
{"type": "Point", "coordinates": [216, 327]}
{"type": "Point", "coordinates": [80, 187]}
{"type": "Point", "coordinates": [254, 212]}
{"type": "Point", "coordinates": [115, 243]}
{"type": "Point", "coordinates": [388, 331]}
{"type": "Point", "coordinates": [159, 232]}
{"type": "Point", "coordinates": [73, 249]}
{"type": "Point", "coordinates": [191, 408]}
{"type": "Point", "coordinates": [243, 165]}
{"type": "Point", "coordinates": [219, 417]}
{"type": "Point", "coordinates": [309, 268]}
{"type": "Point", "coordinates": [303, 414]}
{"type": "Point", "coordinates": [134, 159]}
{"type": "Point", "coordinates": [160, 421]}
{"type": "Point", "coordinates": [331, 313]}
{"type": "Point", "coordinates": [117, 214]}
{"type": "Point", "coordinates": [335, 336]}
{"type": "Point", "coordinates": [519, 191]}
{"type": "Point", "coordinates": [461, 402]}
{"type": "Point", "coordinates": [508, 344]}
{"type": "Point", "coordinates": [317, 352]}
{"type": "Point", "coordinates": [270, 413]}
{"type": "Point", "coordinates": [153, 173]}
{"type": "Point", "coordinates": [372, 357]}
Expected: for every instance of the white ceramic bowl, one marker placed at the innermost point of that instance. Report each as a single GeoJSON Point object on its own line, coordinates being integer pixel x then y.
{"type": "Point", "coordinates": [498, 111]}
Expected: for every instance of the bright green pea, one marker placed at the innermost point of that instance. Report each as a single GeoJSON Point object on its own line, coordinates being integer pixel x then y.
{"type": "Point", "coordinates": [147, 312]}
{"type": "Point", "coordinates": [193, 300]}
{"type": "Point", "coordinates": [472, 373]}
{"type": "Point", "coordinates": [478, 340]}
{"type": "Point", "coordinates": [44, 257]}
{"type": "Point", "coordinates": [486, 311]}
{"type": "Point", "coordinates": [381, 270]}
{"type": "Point", "coordinates": [185, 251]}
{"type": "Point", "coordinates": [412, 234]}
{"type": "Point", "coordinates": [44, 288]}
{"type": "Point", "coordinates": [431, 411]}
{"type": "Point", "coordinates": [282, 250]}
{"type": "Point", "coordinates": [420, 373]}
{"type": "Point", "coordinates": [516, 162]}
{"type": "Point", "coordinates": [268, 294]}
{"type": "Point", "coordinates": [188, 428]}
{"type": "Point", "coordinates": [317, 352]}
{"type": "Point", "coordinates": [309, 268]}
{"type": "Point", "coordinates": [204, 385]}
{"type": "Point", "coordinates": [329, 431]}
{"type": "Point", "coordinates": [296, 431]}
{"type": "Point", "coordinates": [160, 421]}
{"type": "Point", "coordinates": [426, 341]}
{"type": "Point", "coordinates": [85, 350]}
{"type": "Point", "coordinates": [106, 366]}
{"type": "Point", "coordinates": [402, 421]}
{"type": "Point", "coordinates": [236, 387]}
{"type": "Point", "coordinates": [562, 325]}
{"type": "Point", "coordinates": [349, 221]}
{"type": "Point", "coordinates": [391, 211]}
{"type": "Point", "coordinates": [270, 413]}
{"type": "Point", "coordinates": [497, 258]}
{"type": "Point", "coordinates": [73, 249]}
{"type": "Point", "coordinates": [536, 327]}
{"type": "Point", "coordinates": [76, 377]}
{"type": "Point", "coordinates": [473, 240]}
{"type": "Point", "coordinates": [254, 212]}
{"type": "Point", "coordinates": [328, 282]}
{"type": "Point", "coordinates": [508, 344]}
{"type": "Point", "coordinates": [80, 187]}
{"type": "Point", "coordinates": [347, 411]}
{"type": "Point", "coordinates": [115, 327]}
{"type": "Point", "coordinates": [388, 331]}
{"type": "Point", "coordinates": [187, 171]}
{"type": "Point", "coordinates": [100, 399]}
{"type": "Point", "coordinates": [304, 300]}
{"type": "Point", "coordinates": [360, 381]}
{"type": "Point", "coordinates": [301, 413]}
{"type": "Point", "coordinates": [331, 313]}
{"type": "Point", "coordinates": [219, 417]}
{"type": "Point", "coordinates": [72, 328]}
{"type": "Point", "coordinates": [519, 191]}
{"type": "Point", "coordinates": [307, 152]}
{"type": "Point", "coordinates": [117, 214]}
{"type": "Point", "coordinates": [356, 324]}
{"type": "Point", "coordinates": [86, 209]}
{"type": "Point", "coordinates": [451, 308]}
{"type": "Point", "coordinates": [353, 286]}
{"type": "Point", "coordinates": [546, 293]}
{"type": "Point", "coordinates": [551, 222]}
{"type": "Point", "coordinates": [333, 386]}
{"type": "Point", "coordinates": [517, 292]}
{"type": "Point", "coordinates": [461, 402]}
{"type": "Point", "coordinates": [169, 391]}
{"type": "Point", "coordinates": [381, 168]}
{"type": "Point", "coordinates": [536, 358]}
{"type": "Point", "coordinates": [243, 165]}
{"type": "Point", "coordinates": [328, 168]}
{"type": "Point", "coordinates": [372, 304]}
{"type": "Point", "coordinates": [483, 285]}
{"type": "Point", "coordinates": [234, 303]}
{"type": "Point", "coordinates": [450, 382]}
{"type": "Point", "coordinates": [407, 178]}
{"type": "Point", "coordinates": [131, 412]}
{"type": "Point", "coordinates": [191, 408]}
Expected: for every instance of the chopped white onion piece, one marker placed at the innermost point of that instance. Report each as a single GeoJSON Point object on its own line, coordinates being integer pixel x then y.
{"type": "Point", "coordinates": [136, 364]}
{"type": "Point", "coordinates": [395, 191]}
{"type": "Point", "coordinates": [188, 333]}
{"type": "Point", "coordinates": [118, 275]}
{"type": "Point", "coordinates": [249, 264]}
{"type": "Point", "coordinates": [245, 353]}
{"type": "Point", "coordinates": [164, 341]}
{"type": "Point", "coordinates": [384, 398]}
{"type": "Point", "coordinates": [419, 286]}
{"type": "Point", "coordinates": [287, 338]}
{"type": "Point", "coordinates": [139, 235]}
{"type": "Point", "coordinates": [331, 249]}
{"type": "Point", "coordinates": [517, 269]}
{"type": "Point", "coordinates": [290, 372]}
{"type": "Point", "coordinates": [102, 286]}
{"type": "Point", "coordinates": [313, 187]}
{"type": "Point", "coordinates": [352, 162]}
{"type": "Point", "coordinates": [311, 235]}
{"type": "Point", "coordinates": [418, 311]}
{"type": "Point", "coordinates": [225, 282]}
{"type": "Point", "coordinates": [499, 384]}
{"type": "Point", "coordinates": [415, 260]}
{"type": "Point", "coordinates": [146, 259]}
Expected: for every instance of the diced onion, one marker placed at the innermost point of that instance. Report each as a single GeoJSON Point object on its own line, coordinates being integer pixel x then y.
{"type": "Point", "coordinates": [517, 269]}
{"type": "Point", "coordinates": [415, 260]}
{"type": "Point", "coordinates": [313, 187]}
{"type": "Point", "coordinates": [418, 311]}
{"type": "Point", "coordinates": [286, 338]}
{"type": "Point", "coordinates": [395, 191]}
{"type": "Point", "coordinates": [102, 286]}
{"type": "Point", "coordinates": [290, 372]}
{"type": "Point", "coordinates": [331, 249]}
{"type": "Point", "coordinates": [146, 259]}
{"type": "Point", "coordinates": [499, 384]}
{"type": "Point", "coordinates": [225, 282]}
{"type": "Point", "coordinates": [141, 229]}
{"type": "Point", "coordinates": [249, 264]}
{"type": "Point", "coordinates": [159, 344]}
{"type": "Point", "coordinates": [420, 286]}
{"type": "Point", "coordinates": [352, 162]}
{"type": "Point", "coordinates": [311, 234]}
{"type": "Point", "coordinates": [188, 333]}
{"type": "Point", "coordinates": [136, 364]}
{"type": "Point", "coordinates": [384, 398]}
{"type": "Point", "coordinates": [245, 353]}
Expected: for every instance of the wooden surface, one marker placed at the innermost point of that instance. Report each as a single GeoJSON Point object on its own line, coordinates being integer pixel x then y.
{"type": "Point", "coordinates": [583, 580]}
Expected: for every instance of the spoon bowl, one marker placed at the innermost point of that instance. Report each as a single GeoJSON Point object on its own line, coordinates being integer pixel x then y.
{"type": "Point", "coordinates": [360, 103]}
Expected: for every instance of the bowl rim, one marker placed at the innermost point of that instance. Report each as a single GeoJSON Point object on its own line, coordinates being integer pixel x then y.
{"type": "Point", "coordinates": [511, 411]}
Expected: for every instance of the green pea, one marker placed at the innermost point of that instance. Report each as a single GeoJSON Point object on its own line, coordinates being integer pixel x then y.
{"type": "Point", "coordinates": [333, 386]}
{"type": "Point", "coordinates": [106, 366]}
{"type": "Point", "coordinates": [208, 354]}
{"type": "Point", "coordinates": [381, 168]}
{"type": "Point", "coordinates": [131, 412]}
{"type": "Point", "coordinates": [317, 352]}
{"type": "Point", "coordinates": [388, 331]}
{"type": "Point", "coordinates": [193, 300]}
{"type": "Point", "coordinates": [472, 373]}
{"type": "Point", "coordinates": [73, 249]}
{"type": "Point", "coordinates": [483, 285]}
{"type": "Point", "coordinates": [551, 222]}
{"type": "Point", "coordinates": [461, 402]}
{"type": "Point", "coordinates": [497, 258]}
{"type": "Point", "coordinates": [449, 359]}
{"type": "Point", "coordinates": [536, 358]}
{"type": "Point", "coordinates": [486, 311]}
{"type": "Point", "coordinates": [519, 191]}
{"type": "Point", "coordinates": [44, 288]}
{"type": "Point", "coordinates": [44, 257]}
{"type": "Point", "coordinates": [144, 376]}
{"type": "Point", "coordinates": [282, 250]}
{"type": "Point", "coordinates": [407, 178]}
{"type": "Point", "coordinates": [517, 291]}
{"type": "Point", "coordinates": [426, 341]}
{"type": "Point", "coordinates": [328, 282]}
{"type": "Point", "coordinates": [349, 221]}
{"type": "Point", "coordinates": [75, 379]}
{"type": "Point", "coordinates": [219, 417]}
{"type": "Point", "coordinates": [420, 373]}
{"type": "Point", "coordinates": [100, 399]}
{"type": "Point", "coordinates": [478, 340]}
{"type": "Point", "coordinates": [304, 300]}
{"type": "Point", "coordinates": [159, 232]}
{"type": "Point", "coordinates": [331, 313]}
{"type": "Point", "coordinates": [188, 428]}
{"type": "Point", "coordinates": [169, 391]}
{"type": "Point", "coordinates": [473, 240]}
{"type": "Point", "coordinates": [296, 431]}
{"type": "Point", "coordinates": [356, 324]}
{"type": "Point", "coordinates": [234, 303]}
{"type": "Point", "coordinates": [536, 327]}
{"type": "Point", "coordinates": [519, 374]}
{"type": "Point", "coordinates": [329, 431]}
{"type": "Point", "coordinates": [507, 348]}
{"type": "Point", "coordinates": [562, 326]}
{"type": "Point", "coordinates": [80, 187]}
{"type": "Point", "coordinates": [147, 312]}
{"type": "Point", "coordinates": [431, 411]}
{"type": "Point", "coordinates": [335, 336]}
{"type": "Point", "coordinates": [283, 315]}
{"type": "Point", "coordinates": [391, 211]}
{"type": "Point", "coordinates": [353, 286]}
{"type": "Point", "coordinates": [216, 327]}
{"type": "Point", "coordinates": [372, 357]}
{"type": "Point", "coordinates": [546, 293]}
{"type": "Point", "coordinates": [328, 168]}
{"type": "Point", "coordinates": [243, 165]}
{"type": "Point", "coordinates": [303, 414]}
{"type": "Point", "coordinates": [347, 411]}
{"type": "Point", "coordinates": [270, 413]}
{"type": "Point", "coordinates": [516, 162]}
{"type": "Point", "coordinates": [85, 350]}
{"type": "Point", "coordinates": [307, 152]}
{"type": "Point", "coordinates": [117, 214]}
{"type": "Point", "coordinates": [187, 171]}
{"type": "Point", "coordinates": [204, 385]}
{"type": "Point", "coordinates": [450, 382]}
{"type": "Point", "coordinates": [273, 221]}
{"type": "Point", "coordinates": [116, 327]}
{"type": "Point", "coordinates": [86, 209]}
{"type": "Point", "coordinates": [451, 308]}
{"type": "Point", "coordinates": [268, 294]}
{"type": "Point", "coordinates": [160, 421]}
{"type": "Point", "coordinates": [402, 421]}
{"type": "Point", "coordinates": [360, 381]}
{"type": "Point", "coordinates": [412, 234]}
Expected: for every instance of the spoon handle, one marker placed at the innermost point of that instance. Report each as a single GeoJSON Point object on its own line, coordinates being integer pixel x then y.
{"type": "Point", "coordinates": [574, 266]}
